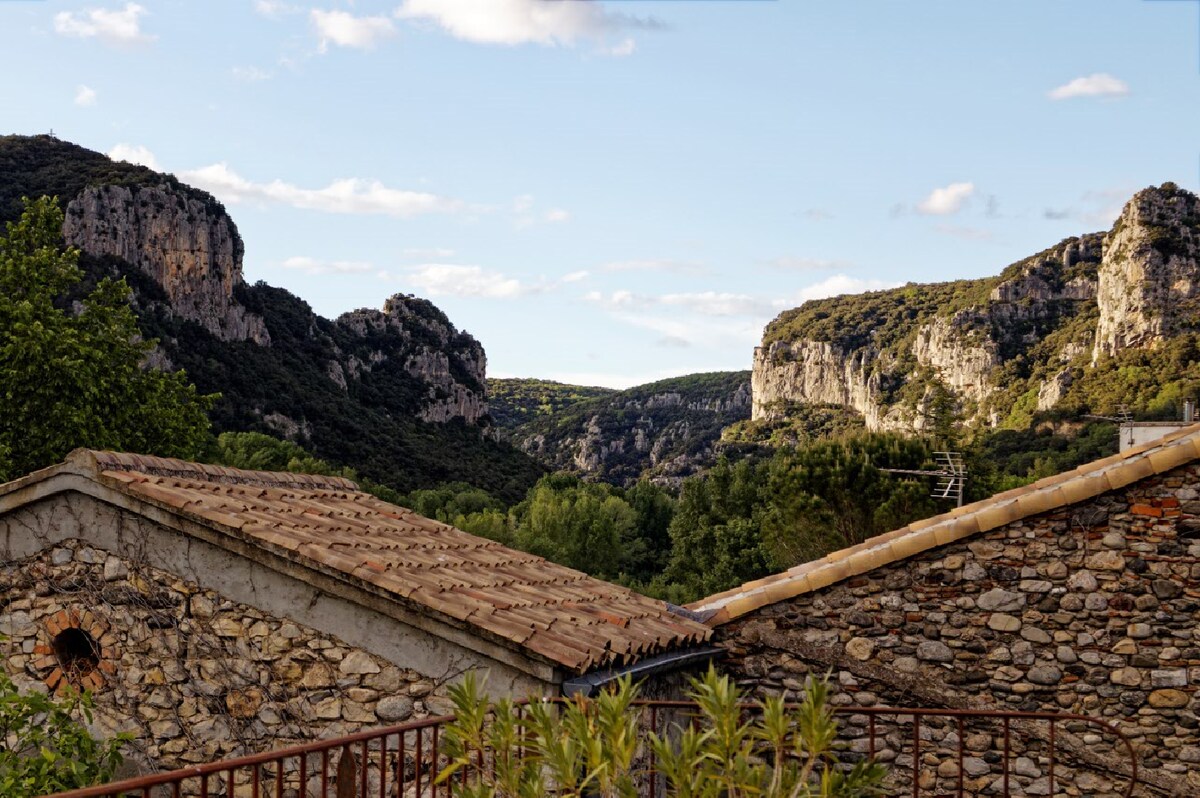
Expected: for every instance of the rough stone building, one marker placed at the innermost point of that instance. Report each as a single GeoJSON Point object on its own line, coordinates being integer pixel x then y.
{"type": "Point", "coordinates": [1079, 593]}
{"type": "Point", "coordinates": [215, 611]}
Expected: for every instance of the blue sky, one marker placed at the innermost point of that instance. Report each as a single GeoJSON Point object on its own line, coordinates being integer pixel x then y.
{"type": "Point", "coordinates": [615, 192]}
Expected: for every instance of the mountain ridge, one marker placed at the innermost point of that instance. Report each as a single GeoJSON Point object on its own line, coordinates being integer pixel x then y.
{"type": "Point", "coordinates": [396, 393]}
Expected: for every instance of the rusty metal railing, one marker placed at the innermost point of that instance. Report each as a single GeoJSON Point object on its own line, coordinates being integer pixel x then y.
{"type": "Point", "coordinates": [402, 761]}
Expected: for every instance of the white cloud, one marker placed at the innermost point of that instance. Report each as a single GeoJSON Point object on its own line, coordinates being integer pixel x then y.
{"type": "Point", "coordinates": [654, 265]}
{"type": "Point", "coordinates": [448, 279]}
{"type": "Point", "coordinates": [113, 26]}
{"type": "Point", "coordinates": [512, 22]}
{"type": "Point", "coordinates": [817, 215]}
{"type": "Point", "coordinates": [346, 30]}
{"type": "Point", "coordinates": [1100, 84]}
{"type": "Point", "coordinates": [946, 200]}
{"type": "Point", "coordinates": [575, 277]}
{"type": "Point", "coordinates": [274, 8]}
{"type": "Point", "coordinates": [555, 215]}
{"type": "Point", "coordinates": [315, 266]}
{"type": "Point", "coordinates": [132, 153]}
{"type": "Point", "coordinates": [250, 74]}
{"type": "Point", "coordinates": [85, 96]}
{"type": "Point", "coordinates": [836, 285]}
{"type": "Point", "coordinates": [349, 195]}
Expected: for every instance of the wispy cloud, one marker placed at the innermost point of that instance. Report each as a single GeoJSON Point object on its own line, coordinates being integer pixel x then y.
{"type": "Point", "coordinates": [449, 279]}
{"type": "Point", "coordinates": [575, 277]}
{"type": "Point", "coordinates": [946, 200]}
{"type": "Point", "coordinates": [816, 214]}
{"type": "Point", "coordinates": [513, 22]}
{"type": "Point", "coordinates": [527, 215]}
{"type": "Point", "coordinates": [112, 26]}
{"type": "Point", "coordinates": [133, 153]}
{"type": "Point", "coordinates": [316, 266]}
{"type": "Point", "coordinates": [251, 74]}
{"type": "Point", "coordinates": [1100, 84]}
{"type": "Point", "coordinates": [85, 96]}
{"type": "Point", "coordinates": [349, 195]}
{"type": "Point", "coordinates": [275, 8]}
{"type": "Point", "coordinates": [836, 285]}
{"type": "Point", "coordinates": [343, 29]}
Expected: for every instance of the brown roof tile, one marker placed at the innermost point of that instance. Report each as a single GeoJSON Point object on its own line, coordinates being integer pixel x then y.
{"type": "Point", "coordinates": [1045, 495]}
{"type": "Point", "coordinates": [559, 614]}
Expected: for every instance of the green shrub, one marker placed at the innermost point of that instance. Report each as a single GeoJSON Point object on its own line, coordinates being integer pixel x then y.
{"type": "Point", "coordinates": [45, 748]}
{"type": "Point", "coordinates": [593, 746]}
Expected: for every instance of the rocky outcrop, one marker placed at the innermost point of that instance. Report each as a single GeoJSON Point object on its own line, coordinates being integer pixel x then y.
{"type": "Point", "coordinates": [191, 249]}
{"type": "Point", "coordinates": [412, 335]}
{"type": "Point", "coordinates": [1003, 347]}
{"type": "Point", "coordinates": [819, 372]}
{"type": "Point", "coordinates": [1149, 286]}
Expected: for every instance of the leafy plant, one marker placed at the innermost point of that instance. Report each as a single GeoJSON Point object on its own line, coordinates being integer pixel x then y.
{"type": "Point", "coordinates": [43, 747]}
{"type": "Point", "coordinates": [76, 378]}
{"type": "Point", "coordinates": [593, 746]}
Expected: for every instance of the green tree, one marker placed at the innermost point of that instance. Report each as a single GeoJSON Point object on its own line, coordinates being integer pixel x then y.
{"type": "Point", "coordinates": [715, 537]}
{"type": "Point", "coordinates": [76, 377]}
{"type": "Point", "coordinates": [45, 748]}
{"type": "Point", "coordinates": [579, 524]}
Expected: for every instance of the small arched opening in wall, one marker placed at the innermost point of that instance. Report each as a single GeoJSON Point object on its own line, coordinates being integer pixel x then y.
{"type": "Point", "coordinates": [75, 650]}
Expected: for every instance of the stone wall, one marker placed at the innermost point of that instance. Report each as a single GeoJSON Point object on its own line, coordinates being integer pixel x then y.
{"type": "Point", "coordinates": [1094, 609]}
{"type": "Point", "coordinates": [194, 676]}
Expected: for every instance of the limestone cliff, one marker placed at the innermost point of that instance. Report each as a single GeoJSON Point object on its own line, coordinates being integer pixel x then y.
{"type": "Point", "coordinates": [1150, 278]}
{"type": "Point", "coordinates": [1026, 341]}
{"type": "Point", "coordinates": [190, 249]}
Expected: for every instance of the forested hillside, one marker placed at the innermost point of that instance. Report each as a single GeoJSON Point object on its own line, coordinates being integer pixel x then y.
{"type": "Point", "coordinates": [664, 431]}
{"type": "Point", "coordinates": [397, 394]}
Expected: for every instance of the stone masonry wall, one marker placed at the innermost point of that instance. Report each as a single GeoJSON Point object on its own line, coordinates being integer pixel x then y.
{"type": "Point", "coordinates": [194, 676]}
{"type": "Point", "coordinates": [1093, 609]}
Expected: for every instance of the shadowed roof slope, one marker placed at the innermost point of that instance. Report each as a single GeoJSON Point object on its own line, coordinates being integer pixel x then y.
{"type": "Point", "coordinates": [1045, 495]}
{"type": "Point", "coordinates": [561, 615]}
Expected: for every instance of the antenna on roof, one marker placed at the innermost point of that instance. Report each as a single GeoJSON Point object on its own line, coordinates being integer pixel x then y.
{"type": "Point", "coordinates": [1123, 419]}
{"type": "Point", "coordinates": [951, 476]}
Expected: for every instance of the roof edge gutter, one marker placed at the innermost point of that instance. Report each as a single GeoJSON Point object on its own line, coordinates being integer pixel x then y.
{"type": "Point", "coordinates": [590, 683]}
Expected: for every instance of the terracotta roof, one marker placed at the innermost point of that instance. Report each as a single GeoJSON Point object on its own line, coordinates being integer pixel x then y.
{"type": "Point", "coordinates": [555, 613]}
{"type": "Point", "coordinates": [1051, 493]}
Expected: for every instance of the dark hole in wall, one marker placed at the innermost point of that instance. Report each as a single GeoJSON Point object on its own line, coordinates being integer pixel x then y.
{"type": "Point", "coordinates": [77, 652]}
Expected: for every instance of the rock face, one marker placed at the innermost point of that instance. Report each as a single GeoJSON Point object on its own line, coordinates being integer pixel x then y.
{"type": "Point", "coordinates": [412, 336]}
{"type": "Point", "coordinates": [1016, 343]}
{"type": "Point", "coordinates": [1150, 277]}
{"type": "Point", "coordinates": [190, 249]}
{"type": "Point", "coordinates": [664, 431]}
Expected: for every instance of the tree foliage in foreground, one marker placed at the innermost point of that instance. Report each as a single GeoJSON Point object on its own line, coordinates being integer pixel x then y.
{"type": "Point", "coordinates": [74, 377]}
{"type": "Point", "coordinates": [594, 747]}
{"type": "Point", "coordinates": [44, 749]}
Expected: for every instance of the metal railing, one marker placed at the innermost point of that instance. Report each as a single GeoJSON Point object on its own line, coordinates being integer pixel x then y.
{"type": "Point", "coordinates": [403, 761]}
